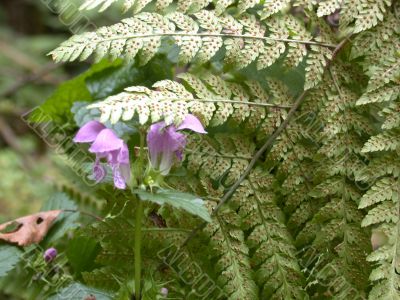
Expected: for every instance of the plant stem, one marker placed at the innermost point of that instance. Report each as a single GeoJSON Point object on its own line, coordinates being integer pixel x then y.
{"type": "Point", "coordinates": [141, 155]}
{"type": "Point", "coordinates": [138, 224]}
{"type": "Point", "coordinates": [138, 244]}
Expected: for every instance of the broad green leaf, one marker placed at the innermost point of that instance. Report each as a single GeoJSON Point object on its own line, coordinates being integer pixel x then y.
{"type": "Point", "coordinates": [57, 107]}
{"type": "Point", "coordinates": [81, 253]}
{"type": "Point", "coordinates": [185, 201]}
{"type": "Point", "coordinates": [66, 221]}
{"type": "Point", "coordinates": [111, 80]}
{"type": "Point", "coordinates": [9, 257]}
{"type": "Point", "coordinates": [82, 115]}
{"type": "Point", "coordinates": [77, 291]}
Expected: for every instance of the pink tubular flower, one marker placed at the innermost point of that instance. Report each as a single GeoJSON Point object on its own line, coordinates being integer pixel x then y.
{"type": "Point", "coordinates": [106, 144]}
{"type": "Point", "coordinates": [50, 254]}
{"type": "Point", "coordinates": [165, 142]}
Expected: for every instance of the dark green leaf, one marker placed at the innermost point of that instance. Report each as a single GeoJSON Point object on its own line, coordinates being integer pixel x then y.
{"type": "Point", "coordinates": [9, 257]}
{"type": "Point", "coordinates": [111, 80]}
{"type": "Point", "coordinates": [185, 201]}
{"type": "Point", "coordinates": [77, 291]}
{"type": "Point", "coordinates": [58, 106]}
{"type": "Point", "coordinates": [66, 221]}
{"type": "Point", "coordinates": [81, 253]}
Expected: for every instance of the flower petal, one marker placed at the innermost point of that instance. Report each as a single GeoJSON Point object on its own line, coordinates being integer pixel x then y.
{"type": "Point", "coordinates": [119, 162]}
{"type": "Point", "coordinates": [99, 171]}
{"type": "Point", "coordinates": [88, 132]}
{"type": "Point", "coordinates": [125, 171]}
{"type": "Point", "coordinates": [166, 162]}
{"type": "Point", "coordinates": [123, 160]}
{"type": "Point", "coordinates": [106, 141]}
{"type": "Point", "coordinates": [191, 122]}
{"type": "Point", "coordinates": [163, 143]}
{"type": "Point", "coordinates": [119, 181]}
{"type": "Point", "coordinates": [123, 155]}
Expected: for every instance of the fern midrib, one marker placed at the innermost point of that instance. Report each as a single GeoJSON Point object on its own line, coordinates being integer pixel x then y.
{"type": "Point", "coordinates": [240, 36]}
{"type": "Point", "coordinates": [264, 221]}
{"type": "Point", "coordinates": [227, 240]}
{"type": "Point", "coordinates": [222, 100]}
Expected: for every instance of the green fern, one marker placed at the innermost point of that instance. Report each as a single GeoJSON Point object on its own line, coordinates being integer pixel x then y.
{"type": "Point", "coordinates": [298, 225]}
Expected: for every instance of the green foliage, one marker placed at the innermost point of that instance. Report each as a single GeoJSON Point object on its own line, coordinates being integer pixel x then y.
{"type": "Point", "coordinates": [187, 202]}
{"type": "Point", "coordinates": [300, 224]}
{"type": "Point", "coordinates": [77, 291]}
{"type": "Point", "coordinates": [382, 197]}
{"type": "Point", "coordinates": [9, 257]}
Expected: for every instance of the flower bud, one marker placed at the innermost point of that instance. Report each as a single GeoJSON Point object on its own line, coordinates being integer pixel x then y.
{"type": "Point", "coordinates": [50, 254]}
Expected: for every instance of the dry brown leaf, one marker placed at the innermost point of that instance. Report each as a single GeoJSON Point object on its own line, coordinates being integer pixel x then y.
{"type": "Point", "coordinates": [29, 229]}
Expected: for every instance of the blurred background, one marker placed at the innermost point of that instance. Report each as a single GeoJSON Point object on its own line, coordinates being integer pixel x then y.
{"type": "Point", "coordinates": [30, 171]}
{"type": "Point", "coordinates": [29, 29]}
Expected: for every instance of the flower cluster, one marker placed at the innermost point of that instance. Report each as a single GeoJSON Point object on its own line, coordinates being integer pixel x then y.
{"type": "Point", "coordinates": [106, 145]}
{"type": "Point", "coordinates": [165, 143]}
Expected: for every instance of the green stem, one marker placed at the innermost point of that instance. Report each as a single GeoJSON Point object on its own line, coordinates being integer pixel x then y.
{"type": "Point", "coordinates": [141, 155]}
{"type": "Point", "coordinates": [138, 244]}
{"type": "Point", "coordinates": [138, 224]}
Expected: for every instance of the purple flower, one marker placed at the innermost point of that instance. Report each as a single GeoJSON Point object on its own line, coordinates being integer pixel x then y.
{"type": "Point", "coordinates": [165, 142]}
{"type": "Point", "coordinates": [50, 254]}
{"type": "Point", "coordinates": [106, 144]}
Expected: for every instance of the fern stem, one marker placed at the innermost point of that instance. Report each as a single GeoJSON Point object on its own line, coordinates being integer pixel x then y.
{"type": "Point", "coordinates": [268, 144]}
{"type": "Point", "coordinates": [226, 35]}
{"type": "Point", "coordinates": [228, 101]}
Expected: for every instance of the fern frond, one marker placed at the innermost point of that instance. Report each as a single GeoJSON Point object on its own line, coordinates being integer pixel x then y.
{"type": "Point", "coordinates": [139, 5]}
{"type": "Point", "coordinates": [384, 189]}
{"type": "Point", "coordinates": [105, 278]}
{"type": "Point", "coordinates": [389, 140]}
{"type": "Point", "coordinates": [386, 94]}
{"type": "Point", "coordinates": [199, 36]}
{"type": "Point", "coordinates": [264, 8]}
{"type": "Point", "coordinates": [227, 239]}
{"type": "Point", "coordinates": [215, 103]}
{"type": "Point", "coordinates": [370, 13]}
{"type": "Point", "coordinates": [392, 116]}
{"type": "Point", "coordinates": [328, 7]}
{"type": "Point", "coordinates": [274, 254]}
{"type": "Point", "coordinates": [332, 219]}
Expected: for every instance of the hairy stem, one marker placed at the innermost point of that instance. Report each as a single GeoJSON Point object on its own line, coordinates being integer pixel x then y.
{"type": "Point", "coordinates": [138, 245]}
{"type": "Point", "coordinates": [138, 225]}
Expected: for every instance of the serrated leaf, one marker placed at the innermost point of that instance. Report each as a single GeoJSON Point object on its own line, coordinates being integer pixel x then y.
{"type": "Point", "coordinates": [190, 203]}
{"type": "Point", "coordinates": [66, 220]}
{"type": "Point", "coordinates": [9, 257]}
{"type": "Point", "coordinates": [77, 291]}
